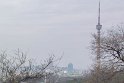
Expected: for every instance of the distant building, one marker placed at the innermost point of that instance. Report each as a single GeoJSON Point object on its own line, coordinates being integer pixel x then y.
{"type": "Point", "coordinates": [69, 71]}
{"type": "Point", "coordinates": [70, 68]}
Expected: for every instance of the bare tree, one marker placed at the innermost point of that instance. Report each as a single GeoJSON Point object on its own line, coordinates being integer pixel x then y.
{"type": "Point", "coordinates": [106, 74]}
{"type": "Point", "coordinates": [112, 46]}
{"type": "Point", "coordinates": [10, 66]}
{"type": "Point", "coordinates": [17, 68]}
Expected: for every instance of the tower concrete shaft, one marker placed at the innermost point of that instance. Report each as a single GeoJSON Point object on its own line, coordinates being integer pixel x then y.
{"type": "Point", "coordinates": [98, 49]}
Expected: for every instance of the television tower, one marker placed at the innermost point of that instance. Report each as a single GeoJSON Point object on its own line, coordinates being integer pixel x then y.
{"type": "Point", "coordinates": [98, 27]}
{"type": "Point", "coordinates": [98, 53]}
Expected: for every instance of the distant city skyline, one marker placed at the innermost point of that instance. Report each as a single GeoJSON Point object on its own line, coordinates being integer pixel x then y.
{"type": "Point", "coordinates": [60, 27]}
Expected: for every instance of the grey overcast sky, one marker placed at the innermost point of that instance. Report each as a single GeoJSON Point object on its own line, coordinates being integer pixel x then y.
{"type": "Point", "coordinates": [60, 27]}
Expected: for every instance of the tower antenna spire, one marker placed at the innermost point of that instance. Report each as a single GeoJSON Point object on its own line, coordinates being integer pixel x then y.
{"type": "Point", "coordinates": [99, 14]}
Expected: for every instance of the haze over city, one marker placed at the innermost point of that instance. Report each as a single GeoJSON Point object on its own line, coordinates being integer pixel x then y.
{"type": "Point", "coordinates": [59, 27]}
